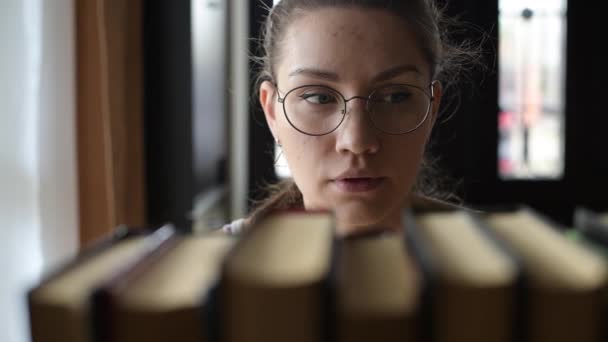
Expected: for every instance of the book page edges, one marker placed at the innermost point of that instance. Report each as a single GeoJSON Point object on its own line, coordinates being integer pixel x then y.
{"type": "Point", "coordinates": [463, 253]}
{"type": "Point", "coordinates": [553, 260]}
{"type": "Point", "coordinates": [284, 250]}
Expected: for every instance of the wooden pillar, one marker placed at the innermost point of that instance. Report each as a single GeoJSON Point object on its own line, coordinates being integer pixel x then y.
{"type": "Point", "coordinates": [109, 115]}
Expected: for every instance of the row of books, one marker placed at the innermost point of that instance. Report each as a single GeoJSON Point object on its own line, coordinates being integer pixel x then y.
{"type": "Point", "coordinates": [453, 275]}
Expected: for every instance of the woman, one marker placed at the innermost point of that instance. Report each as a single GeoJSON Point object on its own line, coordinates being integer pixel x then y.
{"type": "Point", "coordinates": [351, 90]}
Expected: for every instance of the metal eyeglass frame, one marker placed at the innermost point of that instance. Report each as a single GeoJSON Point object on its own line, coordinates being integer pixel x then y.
{"type": "Point", "coordinates": [367, 105]}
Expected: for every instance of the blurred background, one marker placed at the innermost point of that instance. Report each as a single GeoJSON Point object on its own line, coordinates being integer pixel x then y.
{"type": "Point", "coordinates": [141, 112]}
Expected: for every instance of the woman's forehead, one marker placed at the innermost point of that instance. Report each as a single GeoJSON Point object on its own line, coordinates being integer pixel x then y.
{"type": "Point", "coordinates": [348, 42]}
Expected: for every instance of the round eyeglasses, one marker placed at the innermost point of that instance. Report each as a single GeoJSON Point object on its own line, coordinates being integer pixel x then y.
{"type": "Point", "coordinates": [393, 109]}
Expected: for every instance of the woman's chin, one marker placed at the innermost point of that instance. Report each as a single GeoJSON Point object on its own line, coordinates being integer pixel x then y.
{"type": "Point", "coordinates": [352, 220]}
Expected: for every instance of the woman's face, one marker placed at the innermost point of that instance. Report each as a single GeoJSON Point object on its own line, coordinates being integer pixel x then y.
{"type": "Point", "coordinates": [364, 175]}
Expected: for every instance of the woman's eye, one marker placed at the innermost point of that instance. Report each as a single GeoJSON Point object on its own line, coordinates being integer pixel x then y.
{"type": "Point", "coordinates": [396, 97]}
{"type": "Point", "coordinates": [319, 98]}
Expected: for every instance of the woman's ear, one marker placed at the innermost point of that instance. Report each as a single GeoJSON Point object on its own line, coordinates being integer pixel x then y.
{"type": "Point", "coordinates": [267, 100]}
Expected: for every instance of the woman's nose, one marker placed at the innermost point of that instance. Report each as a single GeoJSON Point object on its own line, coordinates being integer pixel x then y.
{"type": "Point", "coordinates": [357, 134]}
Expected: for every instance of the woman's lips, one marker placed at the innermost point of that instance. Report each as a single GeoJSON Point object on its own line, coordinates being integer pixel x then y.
{"type": "Point", "coordinates": [362, 184]}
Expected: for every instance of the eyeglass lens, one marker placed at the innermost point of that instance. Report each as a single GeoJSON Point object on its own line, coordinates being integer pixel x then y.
{"type": "Point", "coordinates": [319, 110]}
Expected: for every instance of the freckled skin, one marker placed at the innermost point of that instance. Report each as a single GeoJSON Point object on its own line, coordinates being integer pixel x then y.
{"type": "Point", "coordinates": [356, 45]}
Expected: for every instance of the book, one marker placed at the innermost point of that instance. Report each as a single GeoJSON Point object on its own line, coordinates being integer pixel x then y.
{"type": "Point", "coordinates": [377, 290]}
{"type": "Point", "coordinates": [163, 297]}
{"type": "Point", "coordinates": [591, 230]}
{"type": "Point", "coordinates": [60, 306]}
{"type": "Point", "coordinates": [580, 238]}
{"type": "Point", "coordinates": [473, 281]}
{"type": "Point", "coordinates": [274, 282]}
{"type": "Point", "coordinates": [565, 280]}
{"type": "Point", "coordinates": [593, 225]}
{"type": "Point", "coordinates": [451, 275]}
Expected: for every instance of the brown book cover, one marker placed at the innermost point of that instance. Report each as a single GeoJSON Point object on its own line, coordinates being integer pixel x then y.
{"type": "Point", "coordinates": [273, 284]}
{"type": "Point", "coordinates": [471, 281]}
{"type": "Point", "coordinates": [565, 280]}
{"type": "Point", "coordinates": [162, 297]}
{"type": "Point", "coordinates": [378, 289]}
{"type": "Point", "coordinates": [60, 307]}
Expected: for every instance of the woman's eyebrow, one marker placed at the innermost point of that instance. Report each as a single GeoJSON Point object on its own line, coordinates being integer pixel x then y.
{"type": "Point", "coordinates": [316, 73]}
{"type": "Point", "coordinates": [332, 76]}
{"type": "Point", "coordinates": [395, 71]}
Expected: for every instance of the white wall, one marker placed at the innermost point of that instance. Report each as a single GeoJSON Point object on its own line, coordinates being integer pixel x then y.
{"type": "Point", "coordinates": [38, 207]}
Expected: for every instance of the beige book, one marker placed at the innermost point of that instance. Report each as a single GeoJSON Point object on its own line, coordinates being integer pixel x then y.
{"type": "Point", "coordinates": [60, 307]}
{"type": "Point", "coordinates": [565, 279]}
{"type": "Point", "coordinates": [273, 282]}
{"type": "Point", "coordinates": [604, 218]}
{"type": "Point", "coordinates": [378, 289]}
{"type": "Point", "coordinates": [163, 298]}
{"type": "Point", "coordinates": [475, 291]}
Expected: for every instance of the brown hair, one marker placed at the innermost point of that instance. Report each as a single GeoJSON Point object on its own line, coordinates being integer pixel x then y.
{"type": "Point", "coordinates": [447, 62]}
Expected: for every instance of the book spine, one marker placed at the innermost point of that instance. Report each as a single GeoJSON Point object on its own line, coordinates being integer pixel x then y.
{"type": "Point", "coordinates": [592, 233]}
{"type": "Point", "coordinates": [102, 301]}
{"type": "Point", "coordinates": [328, 296]}
{"type": "Point", "coordinates": [420, 252]}
{"type": "Point", "coordinates": [211, 307]}
{"type": "Point", "coordinates": [589, 224]}
{"type": "Point", "coordinates": [211, 313]}
{"type": "Point", "coordinates": [120, 233]}
{"type": "Point", "coordinates": [522, 283]}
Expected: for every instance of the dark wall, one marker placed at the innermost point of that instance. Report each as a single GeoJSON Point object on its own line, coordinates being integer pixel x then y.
{"type": "Point", "coordinates": [467, 143]}
{"type": "Point", "coordinates": [587, 117]}
{"type": "Point", "coordinates": [261, 143]}
{"type": "Point", "coordinates": [464, 141]}
{"type": "Point", "coordinates": [186, 81]}
{"type": "Point", "coordinates": [168, 111]}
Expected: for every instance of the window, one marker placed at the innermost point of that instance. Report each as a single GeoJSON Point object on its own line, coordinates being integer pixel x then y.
{"type": "Point", "coordinates": [531, 89]}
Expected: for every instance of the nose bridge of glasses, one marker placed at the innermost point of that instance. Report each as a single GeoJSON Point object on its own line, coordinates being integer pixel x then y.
{"type": "Point", "coordinates": [365, 100]}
